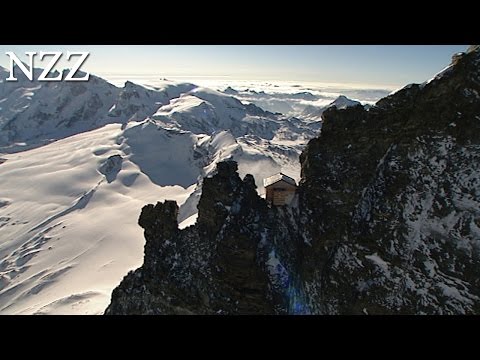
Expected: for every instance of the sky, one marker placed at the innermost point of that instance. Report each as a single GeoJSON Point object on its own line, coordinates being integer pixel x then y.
{"type": "Point", "coordinates": [373, 65]}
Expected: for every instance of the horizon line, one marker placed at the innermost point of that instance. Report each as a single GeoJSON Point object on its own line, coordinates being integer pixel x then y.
{"type": "Point", "coordinates": [167, 77]}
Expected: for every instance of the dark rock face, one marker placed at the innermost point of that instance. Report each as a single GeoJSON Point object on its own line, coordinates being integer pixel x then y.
{"type": "Point", "coordinates": [391, 198]}
{"type": "Point", "coordinates": [218, 266]}
{"type": "Point", "coordinates": [111, 167]}
{"type": "Point", "coordinates": [388, 220]}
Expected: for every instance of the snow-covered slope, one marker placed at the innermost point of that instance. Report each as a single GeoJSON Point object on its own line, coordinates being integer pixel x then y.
{"type": "Point", "coordinates": [69, 221]}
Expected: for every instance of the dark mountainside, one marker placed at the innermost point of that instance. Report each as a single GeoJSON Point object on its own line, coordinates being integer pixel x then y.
{"type": "Point", "coordinates": [387, 220]}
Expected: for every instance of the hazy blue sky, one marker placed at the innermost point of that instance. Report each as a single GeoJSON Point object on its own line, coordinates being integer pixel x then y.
{"type": "Point", "coordinates": [391, 65]}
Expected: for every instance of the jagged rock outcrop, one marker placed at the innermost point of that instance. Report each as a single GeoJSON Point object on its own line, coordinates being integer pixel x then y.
{"type": "Point", "coordinates": [388, 220]}
{"type": "Point", "coordinates": [219, 266]}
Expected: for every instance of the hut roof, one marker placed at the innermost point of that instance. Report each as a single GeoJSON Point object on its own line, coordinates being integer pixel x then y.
{"type": "Point", "coordinates": [278, 177]}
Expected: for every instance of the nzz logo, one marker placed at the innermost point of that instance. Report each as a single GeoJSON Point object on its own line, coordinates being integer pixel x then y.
{"type": "Point", "coordinates": [56, 55]}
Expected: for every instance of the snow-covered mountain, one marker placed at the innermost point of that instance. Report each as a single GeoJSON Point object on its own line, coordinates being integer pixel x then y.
{"type": "Point", "coordinates": [33, 113]}
{"type": "Point", "coordinates": [67, 221]}
{"type": "Point", "coordinates": [314, 113]}
{"type": "Point", "coordinates": [79, 160]}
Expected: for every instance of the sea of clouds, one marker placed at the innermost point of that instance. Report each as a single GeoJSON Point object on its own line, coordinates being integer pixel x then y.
{"type": "Point", "coordinates": [286, 97]}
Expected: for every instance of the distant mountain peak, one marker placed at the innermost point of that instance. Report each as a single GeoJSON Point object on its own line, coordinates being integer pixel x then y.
{"type": "Point", "coordinates": [231, 91]}
{"type": "Point", "coordinates": [342, 102]}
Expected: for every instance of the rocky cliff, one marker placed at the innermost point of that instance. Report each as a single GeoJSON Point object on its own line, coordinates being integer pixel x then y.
{"type": "Point", "coordinates": [387, 220]}
{"type": "Point", "coordinates": [222, 265]}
